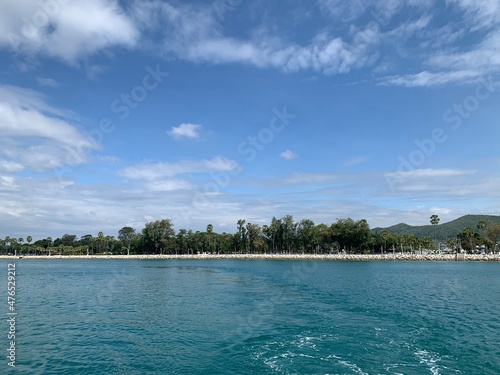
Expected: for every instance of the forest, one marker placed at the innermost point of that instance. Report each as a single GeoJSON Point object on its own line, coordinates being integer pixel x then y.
{"type": "Point", "coordinates": [280, 236]}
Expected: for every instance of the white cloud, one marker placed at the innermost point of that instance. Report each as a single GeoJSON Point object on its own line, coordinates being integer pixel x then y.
{"type": "Point", "coordinates": [193, 33]}
{"type": "Point", "coordinates": [309, 179]}
{"type": "Point", "coordinates": [185, 131]}
{"type": "Point", "coordinates": [73, 31]}
{"type": "Point", "coordinates": [432, 182]}
{"type": "Point", "coordinates": [168, 170]}
{"type": "Point", "coordinates": [344, 11]}
{"type": "Point", "coordinates": [89, 208]}
{"type": "Point", "coordinates": [426, 78]}
{"type": "Point", "coordinates": [67, 30]}
{"type": "Point", "coordinates": [36, 135]}
{"type": "Point", "coordinates": [288, 155]}
{"type": "Point", "coordinates": [27, 98]}
{"type": "Point", "coordinates": [356, 161]}
{"type": "Point", "coordinates": [47, 82]}
{"type": "Point", "coordinates": [435, 173]}
{"type": "Point", "coordinates": [481, 13]}
{"type": "Point", "coordinates": [484, 58]}
{"type": "Point", "coordinates": [330, 56]}
{"type": "Point", "coordinates": [447, 56]}
{"type": "Point", "coordinates": [10, 166]}
{"type": "Point", "coordinates": [169, 185]}
{"type": "Point", "coordinates": [180, 175]}
{"type": "Point", "coordinates": [441, 211]}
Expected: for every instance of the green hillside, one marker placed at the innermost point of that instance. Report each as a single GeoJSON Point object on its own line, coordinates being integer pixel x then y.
{"type": "Point", "coordinates": [443, 231]}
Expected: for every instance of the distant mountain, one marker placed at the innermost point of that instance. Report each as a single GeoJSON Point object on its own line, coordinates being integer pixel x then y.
{"type": "Point", "coordinates": [443, 231]}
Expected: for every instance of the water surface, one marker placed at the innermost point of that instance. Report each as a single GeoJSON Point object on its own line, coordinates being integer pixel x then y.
{"type": "Point", "coordinates": [254, 317]}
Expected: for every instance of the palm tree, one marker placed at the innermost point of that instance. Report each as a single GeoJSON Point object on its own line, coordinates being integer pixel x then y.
{"type": "Point", "coordinates": [210, 229]}
{"type": "Point", "coordinates": [109, 241]}
{"type": "Point", "coordinates": [241, 233]}
{"type": "Point", "coordinates": [13, 242]}
{"type": "Point", "coordinates": [49, 243]}
{"type": "Point", "coordinates": [21, 240]}
{"type": "Point", "coordinates": [7, 241]}
{"type": "Point", "coordinates": [452, 243]}
{"type": "Point", "coordinates": [493, 235]}
{"type": "Point", "coordinates": [481, 225]}
{"type": "Point", "coordinates": [435, 221]}
{"type": "Point", "coordinates": [100, 240]}
{"type": "Point", "coordinates": [29, 239]}
{"type": "Point", "coordinates": [468, 235]}
{"type": "Point", "coordinates": [384, 235]}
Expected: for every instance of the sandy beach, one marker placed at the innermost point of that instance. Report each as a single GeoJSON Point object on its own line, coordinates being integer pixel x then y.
{"type": "Point", "coordinates": [324, 257]}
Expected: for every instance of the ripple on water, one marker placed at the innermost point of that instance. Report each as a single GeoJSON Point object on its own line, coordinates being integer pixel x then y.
{"type": "Point", "coordinates": [240, 317]}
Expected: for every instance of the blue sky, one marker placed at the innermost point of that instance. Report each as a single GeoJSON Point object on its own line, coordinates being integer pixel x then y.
{"type": "Point", "coordinates": [116, 113]}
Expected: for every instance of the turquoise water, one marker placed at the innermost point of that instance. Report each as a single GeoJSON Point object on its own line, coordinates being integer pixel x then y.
{"type": "Point", "coordinates": [253, 317]}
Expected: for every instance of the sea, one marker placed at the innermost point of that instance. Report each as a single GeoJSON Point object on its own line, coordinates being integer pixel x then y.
{"type": "Point", "coordinates": [250, 317]}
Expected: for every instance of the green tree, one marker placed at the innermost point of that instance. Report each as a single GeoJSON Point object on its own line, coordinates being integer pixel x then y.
{"type": "Point", "coordinates": [254, 232]}
{"type": "Point", "coordinates": [182, 242]}
{"type": "Point", "coordinates": [452, 244]}
{"type": "Point", "coordinates": [49, 244]}
{"type": "Point", "coordinates": [100, 242]}
{"type": "Point", "coordinates": [242, 235]}
{"type": "Point", "coordinates": [7, 242]}
{"type": "Point", "coordinates": [481, 226]}
{"type": "Point", "coordinates": [158, 234]}
{"type": "Point", "coordinates": [306, 235]}
{"type": "Point", "coordinates": [210, 238]}
{"type": "Point", "coordinates": [427, 243]}
{"type": "Point", "coordinates": [467, 238]}
{"type": "Point", "coordinates": [28, 240]}
{"type": "Point", "coordinates": [109, 243]}
{"type": "Point", "coordinates": [68, 240]}
{"type": "Point", "coordinates": [20, 241]}
{"type": "Point", "coordinates": [350, 234]}
{"type": "Point", "coordinates": [493, 236]}
{"type": "Point", "coordinates": [322, 237]}
{"type": "Point", "coordinates": [13, 243]}
{"type": "Point", "coordinates": [289, 230]}
{"type": "Point", "coordinates": [126, 235]}
{"type": "Point", "coordinates": [275, 235]}
{"type": "Point", "coordinates": [435, 221]}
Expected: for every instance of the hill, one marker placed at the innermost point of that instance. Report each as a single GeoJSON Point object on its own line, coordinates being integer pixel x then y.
{"type": "Point", "coordinates": [443, 231]}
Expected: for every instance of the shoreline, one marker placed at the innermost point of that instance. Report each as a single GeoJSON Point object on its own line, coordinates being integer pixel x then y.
{"type": "Point", "coordinates": [323, 257]}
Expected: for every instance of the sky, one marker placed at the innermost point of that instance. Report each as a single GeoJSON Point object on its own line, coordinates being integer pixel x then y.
{"type": "Point", "coordinates": [117, 113]}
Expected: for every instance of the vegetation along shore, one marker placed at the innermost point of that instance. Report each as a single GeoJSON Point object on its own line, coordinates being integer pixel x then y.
{"type": "Point", "coordinates": [284, 238]}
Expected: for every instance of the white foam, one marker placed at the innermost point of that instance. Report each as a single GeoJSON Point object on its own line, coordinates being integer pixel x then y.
{"type": "Point", "coordinates": [430, 360]}
{"type": "Point", "coordinates": [353, 367]}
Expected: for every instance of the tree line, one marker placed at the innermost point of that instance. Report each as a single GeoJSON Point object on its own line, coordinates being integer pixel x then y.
{"type": "Point", "coordinates": [281, 235]}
